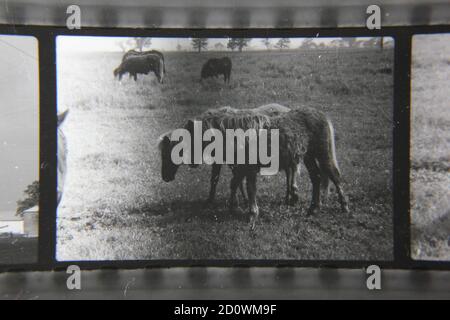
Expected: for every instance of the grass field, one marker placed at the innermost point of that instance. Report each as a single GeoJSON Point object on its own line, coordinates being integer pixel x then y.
{"type": "Point", "coordinates": [18, 251]}
{"type": "Point", "coordinates": [430, 148]}
{"type": "Point", "coordinates": [116, 205]}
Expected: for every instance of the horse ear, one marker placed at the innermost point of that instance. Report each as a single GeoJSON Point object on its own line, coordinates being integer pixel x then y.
{"type": "Point", "coordinates": [62, 117]}
{"type": "Point", "coordinates": [190, 125]}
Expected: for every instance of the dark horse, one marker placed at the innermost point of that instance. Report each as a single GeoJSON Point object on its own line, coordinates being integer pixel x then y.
{"type": "Point", "coordinates": [169, 169]}
{"type": "Point", "coordinates": [143, 64]}
{"type": "Point", "coordinates": [215, 67]}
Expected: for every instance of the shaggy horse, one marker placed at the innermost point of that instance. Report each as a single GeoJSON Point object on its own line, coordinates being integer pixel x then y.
{"type": "Point", "coordinates": [307, 135]}
{"type": "Point", "coordinates": [62, 156]}
{"type": "Point", "coordinates": [220, 119]}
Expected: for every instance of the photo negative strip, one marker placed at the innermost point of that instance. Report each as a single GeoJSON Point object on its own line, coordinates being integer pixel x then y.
{"type": "Point", "coordinates": [225, 148]}
{"type": "Point", "coordinates": [430, 147]}
{"type": "Point", "coordinates": [19, 150]}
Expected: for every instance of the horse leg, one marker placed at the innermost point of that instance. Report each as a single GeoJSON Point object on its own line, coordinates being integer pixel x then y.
{"type": "Point", "coordinates": [215, 175]}
{"type": "Point", "coordinates": [288, 185]}
{"type": "Point", "coordinates": [135, 77]}
{"type": "Point", "coordinates": [314, 175]}
{"type": "Point", "coordinates": [242, 189]}
{"type": "Point", "coordinates": [294, 188]}
{"type": "Point", "coordinates": [324, 184]}
{"type": "Point", "coordinates": [335, 176]}
{"type": "Point", "coordinates": [251, 190]}
{"type": "Point", "coordinates": [236, 180]}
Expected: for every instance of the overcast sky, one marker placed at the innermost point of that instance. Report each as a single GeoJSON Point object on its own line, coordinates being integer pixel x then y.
{"type": "Point", "coordinates": [97, 44]}
{"type": "Point", "coordinates": [19, 150]}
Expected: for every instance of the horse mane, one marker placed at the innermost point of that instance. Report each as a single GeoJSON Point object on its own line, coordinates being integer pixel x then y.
{"type": "Point", "coordinates": [231, 118]}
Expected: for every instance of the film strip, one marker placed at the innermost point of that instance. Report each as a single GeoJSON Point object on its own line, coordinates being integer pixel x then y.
{"type": "Point", "coordinates": [102, 101]}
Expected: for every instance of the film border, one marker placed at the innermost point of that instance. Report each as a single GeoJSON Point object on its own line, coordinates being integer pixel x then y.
{"type": "Point", "coordinates": [402, 63]}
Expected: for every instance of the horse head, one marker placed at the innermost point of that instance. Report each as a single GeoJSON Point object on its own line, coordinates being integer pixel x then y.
{"type": "Point", "coordinates": [168, 168]}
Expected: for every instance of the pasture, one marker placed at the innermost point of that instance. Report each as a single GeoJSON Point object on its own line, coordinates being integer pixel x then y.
{"type": "Point", "coordinates": [116, 206]}
{"type": "Point", "coordinates": [18, 250]}
{"type": "Point", "coordinates": [430, 148]}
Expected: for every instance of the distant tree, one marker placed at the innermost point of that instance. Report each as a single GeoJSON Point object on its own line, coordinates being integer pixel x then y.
{"type": "Point", "coordinates": [283, 43]}
{"type": "Point", "coordinates": [238, 43]}
{"type": "Point", "coordinates": [140, 44]}
{"type": "Point", "coordinates": [31, 198]}
{"type": "Point", "coordinates": [219, 46]}
{"type": "Point", "coordinates": [231, 44]}
{"type": "Point", "coordinates": [266, 42]}
{"type": "Point", "coordinates": [199, 44]}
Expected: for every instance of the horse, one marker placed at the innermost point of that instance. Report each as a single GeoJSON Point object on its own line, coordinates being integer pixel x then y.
{"type": "Point", "coordinates": [132, 53]}
{"type": "Point", "coordinates": [144, 64]}
{"type": "Point", "coordinates": [213, 117]}
{"type": "Point", "coordinates": [215, 67]}
{"type": "Point", "coordinates": [62, 156]}
{"type": "Point", "coordinates": [307, 135]}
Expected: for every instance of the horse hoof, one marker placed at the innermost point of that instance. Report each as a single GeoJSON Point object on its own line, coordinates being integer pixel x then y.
{"type": "Point", "coordinates": [252, 225]}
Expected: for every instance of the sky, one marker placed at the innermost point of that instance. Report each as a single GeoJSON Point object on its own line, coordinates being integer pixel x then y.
{"type": "Point", "coordinates": [111, 44]}
{"type": "Point", "coordinates": [19, 117]}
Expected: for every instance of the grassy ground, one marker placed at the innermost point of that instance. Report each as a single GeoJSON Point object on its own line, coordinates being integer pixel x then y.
{"type": "Point", "coordinates": [430, 151]}
{"type": "Point", "coordinates": [18, 250]}
{"type": "Point", "coordinates": [116, 205]}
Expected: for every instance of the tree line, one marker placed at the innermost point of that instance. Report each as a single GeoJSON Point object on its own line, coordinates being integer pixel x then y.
{"type": "Point", "coordinates": [239, 44]}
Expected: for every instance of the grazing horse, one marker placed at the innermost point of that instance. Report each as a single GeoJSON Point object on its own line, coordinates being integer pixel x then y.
{"type": "Point", "coordinates": [134, 53]}
{"type": "Point", "coordinates": [213, 117]}
{"type": "Point", "coordinates": [270, 110]}
{"type": "Point", "coordinates": [144, 64]}
{"type": "Point", "coordinates": [62, 156]}
{"type": "Point", "coordinates": [307, 135]}
{"type": "Point", "coordinates": [215, 67]}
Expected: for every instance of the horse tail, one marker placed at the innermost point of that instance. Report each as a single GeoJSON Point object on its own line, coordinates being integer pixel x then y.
{"type": "Point", "coordinates": [162, 69]}
{"type": "Point", "coordinates": [332, 145]}
{"type": "Point", "coordinates": [329, 152]}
